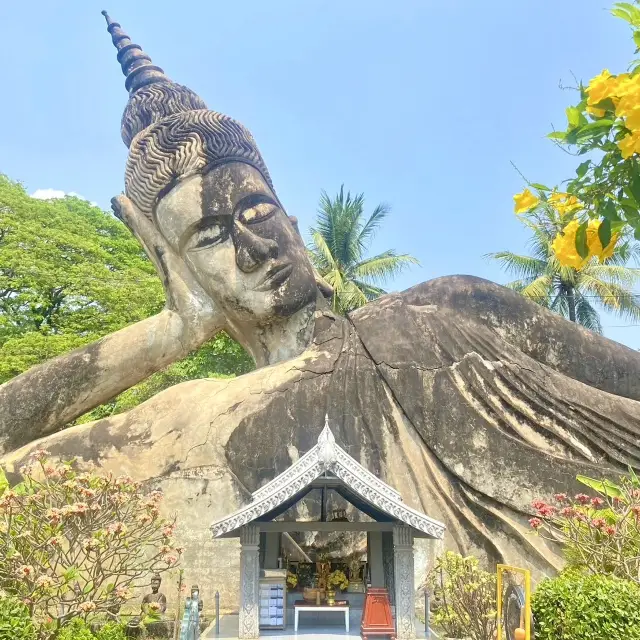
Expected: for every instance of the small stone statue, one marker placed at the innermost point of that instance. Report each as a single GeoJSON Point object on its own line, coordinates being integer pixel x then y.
{"type": "Point", "coordinates": [195, 593]}
{"type": "Point", "coordinates": [155, 596]}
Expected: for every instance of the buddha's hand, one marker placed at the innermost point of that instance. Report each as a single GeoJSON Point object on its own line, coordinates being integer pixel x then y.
{"type": "Point", "coordinates": [200, 315]}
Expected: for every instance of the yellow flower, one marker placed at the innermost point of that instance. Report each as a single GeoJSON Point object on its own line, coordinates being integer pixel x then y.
{"type": "Point", "coordinates": [557, 196]}
{"type": "Point", "coordinates": [594, 244]}
{"type": "Point", "coordinates": [628, 95]}
{"type": "Point", "coordinates": [619, 89]}
{"type": "Point", "coordinates": [564, 247]}
{"type": "Point", "coordinates": [525, 201]}
{"type": "Point", "coordinates": [596, 112]}
{"type": "Point", "coordinates": [629, 145]}
{"type": "Point", "coordinates": [632, 120]}
{"type": "Point", "coordinates": [600, 88]}
{"type": "Point", "coordinates": [563, 203]}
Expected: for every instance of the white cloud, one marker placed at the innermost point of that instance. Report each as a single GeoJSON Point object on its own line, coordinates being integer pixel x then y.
{"type": "Point", "coordinates": [52, 194]}
{"type": "Point", "coordinates": [48, 194]}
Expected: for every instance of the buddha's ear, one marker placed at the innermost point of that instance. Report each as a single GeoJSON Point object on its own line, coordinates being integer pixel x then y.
{"type": "Point", "coordinates": [325, 288]}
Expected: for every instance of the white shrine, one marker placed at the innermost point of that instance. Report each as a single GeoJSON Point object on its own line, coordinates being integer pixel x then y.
{"type": "Point", "coordinates": [390, 532]}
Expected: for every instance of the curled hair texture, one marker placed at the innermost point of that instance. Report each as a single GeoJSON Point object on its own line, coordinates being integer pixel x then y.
{"type": "Point", "coordinates": [154, 102]}
{"type": "Point", "coordinates": [181, 145]}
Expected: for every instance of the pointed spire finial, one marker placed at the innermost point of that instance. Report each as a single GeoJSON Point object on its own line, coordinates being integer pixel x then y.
{"type": "Point", "coordinates": [136, 64]}
{"type": "Point", "coordinates": [326, 446]}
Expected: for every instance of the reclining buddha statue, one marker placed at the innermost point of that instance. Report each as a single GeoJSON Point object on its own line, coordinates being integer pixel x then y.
{"type": "Point", "coordinates": [467, 398]}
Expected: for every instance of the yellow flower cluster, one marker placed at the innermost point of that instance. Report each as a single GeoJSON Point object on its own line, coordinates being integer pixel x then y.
{"type": "Point", "coordinates": [564, 245]}
{"type": "Point", "coordinates": [339, 580]}
{"type": "Point", "coordinates": [525, 201]}
{"type": "Point", "coordinates": [562, 202]}
{"type": "Point", "coordinates": [624, 92]}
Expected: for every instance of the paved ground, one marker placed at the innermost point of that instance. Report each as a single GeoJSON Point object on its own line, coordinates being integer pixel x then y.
{"type": "Point", "coordinates": [229, 630]}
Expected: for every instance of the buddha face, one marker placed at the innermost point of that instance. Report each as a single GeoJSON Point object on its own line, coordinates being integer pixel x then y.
{"type": "Point", "coordinates": [155, 585]}
{"type": "Point", "coordinates": [230, 229]}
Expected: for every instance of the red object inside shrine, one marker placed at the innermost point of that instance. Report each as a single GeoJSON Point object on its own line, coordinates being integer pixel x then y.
{"type": "Point", "coordinates": [376, 617]}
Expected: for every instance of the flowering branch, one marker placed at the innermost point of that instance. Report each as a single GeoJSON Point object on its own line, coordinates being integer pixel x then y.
{"type": "Point", "coordinates": [75, 544]}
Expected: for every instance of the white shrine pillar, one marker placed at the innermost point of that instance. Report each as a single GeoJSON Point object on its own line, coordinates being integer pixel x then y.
{"type": "Point", "coordinates": [249, 619]}
{"type": "Point", "coordinates": [404, 582]}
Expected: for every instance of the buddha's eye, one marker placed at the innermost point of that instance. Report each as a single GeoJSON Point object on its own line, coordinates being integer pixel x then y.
{"type": "Point", "coordinates": [258, 212]}
{"type": "Point", "coordinates": [210, 234]}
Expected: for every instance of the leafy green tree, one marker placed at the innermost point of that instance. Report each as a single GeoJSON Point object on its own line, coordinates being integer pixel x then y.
{"type": "Point", "coordinates": [221, 357]}
{"type": "Point", "coordinates": [573, 292]}
{"type": "Point", "coordinates": [70, 274]}
{"type": "Point", "coordinates": [339, 241]}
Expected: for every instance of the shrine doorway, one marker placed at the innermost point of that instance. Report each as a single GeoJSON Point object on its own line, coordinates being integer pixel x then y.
{"type": "Point", "coordinates": [266, 604]}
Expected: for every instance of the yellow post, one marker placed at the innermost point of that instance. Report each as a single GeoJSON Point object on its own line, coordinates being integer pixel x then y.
{"type": "Point", "coordinates": [499, 600]}
{"type": "Point", "coordinates": [501, 568]}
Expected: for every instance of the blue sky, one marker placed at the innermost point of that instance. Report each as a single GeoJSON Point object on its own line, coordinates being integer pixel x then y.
{"type": "Point", "coordinates": [417, 103]}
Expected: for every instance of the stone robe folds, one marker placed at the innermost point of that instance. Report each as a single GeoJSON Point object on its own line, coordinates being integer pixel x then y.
{"type": "Point", "coordinates": [468, 399]}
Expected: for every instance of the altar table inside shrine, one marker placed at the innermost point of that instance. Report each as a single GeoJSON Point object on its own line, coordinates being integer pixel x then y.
{"type": "Point", "coordinates": [341, 606]}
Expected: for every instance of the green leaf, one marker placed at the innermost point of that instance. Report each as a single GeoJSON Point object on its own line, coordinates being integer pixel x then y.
{"type": "Point", "coordinates": [593, 129]}
{"type": "Point", "coordinates": [4, 483]}
{"type": "Point", "coordinates": [70, 574]}
{"type": "Point", "coordinates": [609, 211]}
{"type": "Point", "coordinates": [632, 189]}
{"type": "Point", "coordinates": [581, 241]}
{"type": "Point", "coordinates": [619, 13]}
{"type": "Point", "coordinates": [88, 587]}
{"type": "Point", "coordinates": [636, 38]}
{"type": "Point", "coordinates": [632, 10]}
{"type": "Point", "coordinates": [604, 487]}
{"type": "Point", "coordinates": [604, 233]}
{"type": "Point", "coordinates": [635, 481]}
{"type": "Point", "coordinates": [573, 116]}
{"type": "Point", "coordinates": [21, 489]}
{"type": "Point", "coordinates": [557, 135]}
{"type": "Point", "coordinates": [582, 169]}
{"type": "Point", "coordinates": [541, 187]}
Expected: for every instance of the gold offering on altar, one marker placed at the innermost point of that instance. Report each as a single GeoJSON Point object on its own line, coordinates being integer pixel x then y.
{"type": "Point", "coordinates": [356, 583]}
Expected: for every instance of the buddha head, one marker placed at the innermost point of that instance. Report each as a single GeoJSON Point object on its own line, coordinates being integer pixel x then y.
{"type": "Point", "coordinates": [156, 581]}
{"type": "Point", "coordinates": [199, 177]}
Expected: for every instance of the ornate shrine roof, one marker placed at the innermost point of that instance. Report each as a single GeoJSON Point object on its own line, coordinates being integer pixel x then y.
{"type": "Point", "coordinates": [329, 461]}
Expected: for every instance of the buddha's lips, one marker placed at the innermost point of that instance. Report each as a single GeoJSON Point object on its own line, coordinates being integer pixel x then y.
{"type": "Point", "coordinates": [275, 276]}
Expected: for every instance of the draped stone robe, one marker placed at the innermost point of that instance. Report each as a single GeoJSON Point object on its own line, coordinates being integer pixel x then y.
{"type": "Point", "coordinates": [468, 399]}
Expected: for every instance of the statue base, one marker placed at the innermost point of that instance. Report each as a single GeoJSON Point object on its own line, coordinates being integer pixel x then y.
{"type": "Point", "coordinates": [355, 586]}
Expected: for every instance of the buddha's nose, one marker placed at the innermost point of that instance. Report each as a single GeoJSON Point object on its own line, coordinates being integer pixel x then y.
{"type": "Point", "coordinates": [252, 250]}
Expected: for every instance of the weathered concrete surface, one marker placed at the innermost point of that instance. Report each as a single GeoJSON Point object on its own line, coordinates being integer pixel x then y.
{"type": "Point", "coordinates": [465, 397]}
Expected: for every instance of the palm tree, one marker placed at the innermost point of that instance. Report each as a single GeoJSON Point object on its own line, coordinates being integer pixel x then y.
{"type": "Point", "coordinates": [339, 241]}
{"type": "Point", "coordinates": [573, 293]}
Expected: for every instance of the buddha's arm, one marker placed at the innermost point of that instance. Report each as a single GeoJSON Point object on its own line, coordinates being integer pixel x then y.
{"type": "Point", "coordinates": [50, 395]}
{"type": "Point", "coordinates": [536, 331]}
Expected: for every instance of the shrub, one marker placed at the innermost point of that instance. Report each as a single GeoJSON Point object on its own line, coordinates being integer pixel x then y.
{"type": "Point", "coordinates": [576, 606]}
{"type": "Point", "coordinates": [72, 545]}
{"type": "Point", "coordinates": [111, 631]}
{"type": "Point", "coordinates": [77, 629]}
{"type": "Point", "coordinates": [15, 621]}
{"type": "Point", "coordinates": [464, 597]}
{"type": "Point", "coordinates": [600, 534]}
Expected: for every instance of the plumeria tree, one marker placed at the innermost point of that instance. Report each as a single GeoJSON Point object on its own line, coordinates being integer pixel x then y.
{"type": "Point", "coordinates": [600, 534]}
{"type": "Point", "coordinates": [75, 544]}
{"type": "Point", "coordinates": [603, 130]}
{"type": "Point", "coordinates": [464, 597]}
